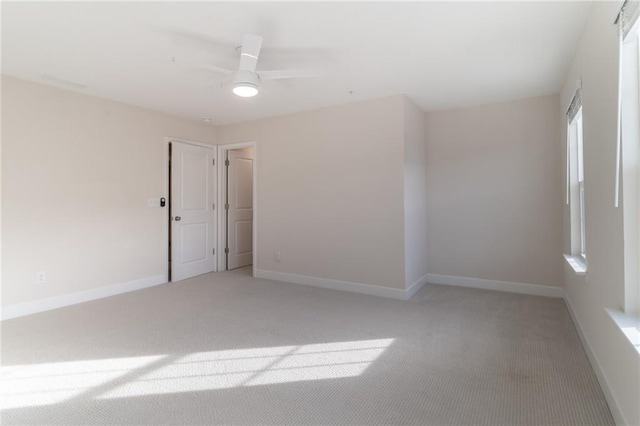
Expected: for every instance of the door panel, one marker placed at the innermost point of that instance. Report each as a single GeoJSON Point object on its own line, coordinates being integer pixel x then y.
{"type": "Point", "coordinates": [244, 185]}
{"type": "Point", "coordinates": [194, 181]}
{"type": "Point", "coordinates": [192, 210]}
{"type": "Point", "coordinates": [194, 242]}
{"type": "Point", "coordinates": [244, 237]}
{"type": "Point", "coordinates": [240, 212]}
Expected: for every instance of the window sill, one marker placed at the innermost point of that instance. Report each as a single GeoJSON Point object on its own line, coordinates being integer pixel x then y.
{"type": "Point", "coordinates": [576, 263]}
{"type": "Point", "coordinates": [629, 325]}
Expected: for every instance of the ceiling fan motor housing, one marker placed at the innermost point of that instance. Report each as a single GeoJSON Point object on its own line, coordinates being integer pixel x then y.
{"type": "Point", "coordinates": [246, 78]}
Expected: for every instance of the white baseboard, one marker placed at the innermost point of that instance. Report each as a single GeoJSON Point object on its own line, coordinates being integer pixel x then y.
{"type": "Point", "coordinates": [373, 290]}
{"type": "Point", "coordinates": [55, 302]}
{"type": "Point", "coordinates": [511, 287]}
{"type": "Point", "coordinates": [406, 294]}
{"type": "Point", "coordinates": [417, 285]}
{"type": "Point", "coordinates": [614, 407]}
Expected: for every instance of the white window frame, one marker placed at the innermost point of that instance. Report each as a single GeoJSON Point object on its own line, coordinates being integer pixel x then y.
{"type": "Point", "coordinates": [630, 146]}
{"type": "Point", "coordinates": [581, 205]}
{"type": "Point", "coordinates": [628, 159]}
{"type": "Point", "coordinates": [577, 189]}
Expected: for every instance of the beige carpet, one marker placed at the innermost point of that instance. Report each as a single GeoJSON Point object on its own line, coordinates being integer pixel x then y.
{"type": "Point", "coordinates": [227, 348]}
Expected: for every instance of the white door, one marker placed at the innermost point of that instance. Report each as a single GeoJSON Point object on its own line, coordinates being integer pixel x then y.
{"type": "Point", "coordinates": [193, 221]}
{"type": "Point", "coordinates": [240, 208]}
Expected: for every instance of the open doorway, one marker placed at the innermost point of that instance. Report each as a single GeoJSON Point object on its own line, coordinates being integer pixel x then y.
{"type": "Point", "coordinates": [237, 199]}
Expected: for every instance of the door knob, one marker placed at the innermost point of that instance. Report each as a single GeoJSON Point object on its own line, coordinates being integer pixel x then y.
{"type": "Point", "coordinates": [178, 218]}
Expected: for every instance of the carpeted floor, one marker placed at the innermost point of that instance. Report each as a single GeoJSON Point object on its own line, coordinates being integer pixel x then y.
{"type": "Point", "coordinates": [228, 348]}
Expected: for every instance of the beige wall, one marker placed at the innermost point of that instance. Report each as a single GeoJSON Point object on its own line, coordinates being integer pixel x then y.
{"type": "Point", "coordinates": [415, 193]}
{"type": "Point", "coordinates": [596, 62]}
{"type": "Point", "coordinates": [330, 193]}
{"type": "Point", "coordinates": [76, 175]}
{"type": "Point", "coordinates": [494, 197]}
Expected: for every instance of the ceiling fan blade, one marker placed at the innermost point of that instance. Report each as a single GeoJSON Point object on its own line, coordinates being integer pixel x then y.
{"type": "Point", "coordinates": [279, 74]}
{"type": "Point", "coordinates": [217, 69]}
{"type": "Point", "coordinates": [211, 89]}
{"type": "Point", "coordinates": [251, 45]}
{"type": "Point", "coordinates": [205, 66]}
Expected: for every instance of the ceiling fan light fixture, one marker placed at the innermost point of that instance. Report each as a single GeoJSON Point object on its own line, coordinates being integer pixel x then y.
{"type": "Point", "coordinates": [245, 90]}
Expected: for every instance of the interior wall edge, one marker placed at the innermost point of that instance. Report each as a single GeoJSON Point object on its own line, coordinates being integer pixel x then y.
{"type": "Point", "coordinates": [506, 286]}
{"type": "Point", "coordinates": [406, 294]}
{"type": "Point", "coordinates": [50, 303]}
{"type": "Point", "coordinates": [614, 407]}
{"type": "Point", "coordinates": [348, 286]}
{"type": "Point", "coordinates": [416, 285]}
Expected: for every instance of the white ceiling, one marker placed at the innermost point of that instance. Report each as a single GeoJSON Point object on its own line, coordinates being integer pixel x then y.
{"type": "Point", "coordinates": [441, 54]}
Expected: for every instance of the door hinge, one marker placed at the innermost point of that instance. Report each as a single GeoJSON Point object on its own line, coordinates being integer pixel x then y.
{"type": "Point", "coordinates": [214, 251]}
{"type": "Point", "coordinates": [226, 163]}
{"type": "Point", "coordinates": [226, 250]}
{"type": "Point", "coordinates": [214, 161]}
{"type": "Point", "coordinates": [226, 206]}
{"type": "Point", "coordinates": [213, 207]}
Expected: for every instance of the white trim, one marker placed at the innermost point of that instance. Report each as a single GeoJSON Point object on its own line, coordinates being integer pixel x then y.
{"type": "Point", "coordinates": [417, 285]}
{"type": "Point", "coordinates": [614, 407]}
{"type": "Point", "coordinates": [220, 246]}
{"type": "Point", "coordinates": [577, 263]}
{"type": "Point", "coordinates": [511, 287]}
{"type": "Point", "coordinates": [372, 290]}
{"type": "Point", "coordinates": [629, 326]}
{"type": "Point", "coordinates": [568, 165]}
{"type": "Point", "coordinates": [616, 196]}
{"type": "Point", "coordinates": [165, 188]}
{"type": "Point", "coordinates": [406, 294]}
{"type": "Point", "coordinates": [167, 140]}
{"type": "Point", "coordinates": [55, 302]}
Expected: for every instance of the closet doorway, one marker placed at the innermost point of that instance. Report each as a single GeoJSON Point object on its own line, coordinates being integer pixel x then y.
{"type": "Point", "coordinates": [237, 197]}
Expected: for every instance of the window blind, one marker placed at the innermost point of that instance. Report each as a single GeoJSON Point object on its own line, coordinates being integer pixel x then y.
{"type": "Point", "coordinates": [628, 16]}
{"type": "Point", "coordinates": [575, 105]}
{"type": "Point", "coordinates": [567, 182]}
{"type": "Point", "coordinates": [616, 195]}
{"type": "Point", "coordinates": [629, 13]}
{"type": "Point", "coordinates": [572, 111]}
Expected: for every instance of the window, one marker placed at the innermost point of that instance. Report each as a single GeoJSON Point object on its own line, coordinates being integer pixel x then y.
{"type": "Point", "coordinates": [578, 126]}
{"type": "Point", "coordinates": [576, 180]}
{"type": "Point", "coordinates": [629, 145]}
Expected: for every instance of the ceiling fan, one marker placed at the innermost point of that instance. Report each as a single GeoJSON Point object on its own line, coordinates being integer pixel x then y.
{"type": "Point", "coordinates": [246, 80]}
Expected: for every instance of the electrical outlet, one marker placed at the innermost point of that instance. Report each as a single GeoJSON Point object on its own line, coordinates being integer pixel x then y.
{"type": "Point", "coordinates": [41, 277]}
{"type": "Point", "coordinates": [277, 255]}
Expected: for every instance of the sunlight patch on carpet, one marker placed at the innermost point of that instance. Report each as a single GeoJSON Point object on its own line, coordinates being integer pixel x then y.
{"type": "Point", "coordinates": [204, 371]}
{"type": "Point", "coordinates": [46, 384]}
{"type": "Point", "coordinates": [52, 383]}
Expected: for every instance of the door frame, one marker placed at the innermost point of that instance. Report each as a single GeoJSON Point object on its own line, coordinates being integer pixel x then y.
{"type": "Point", "coordinates": [222, 154]}
{"type": "Point", "coordinates": [167, 195]}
